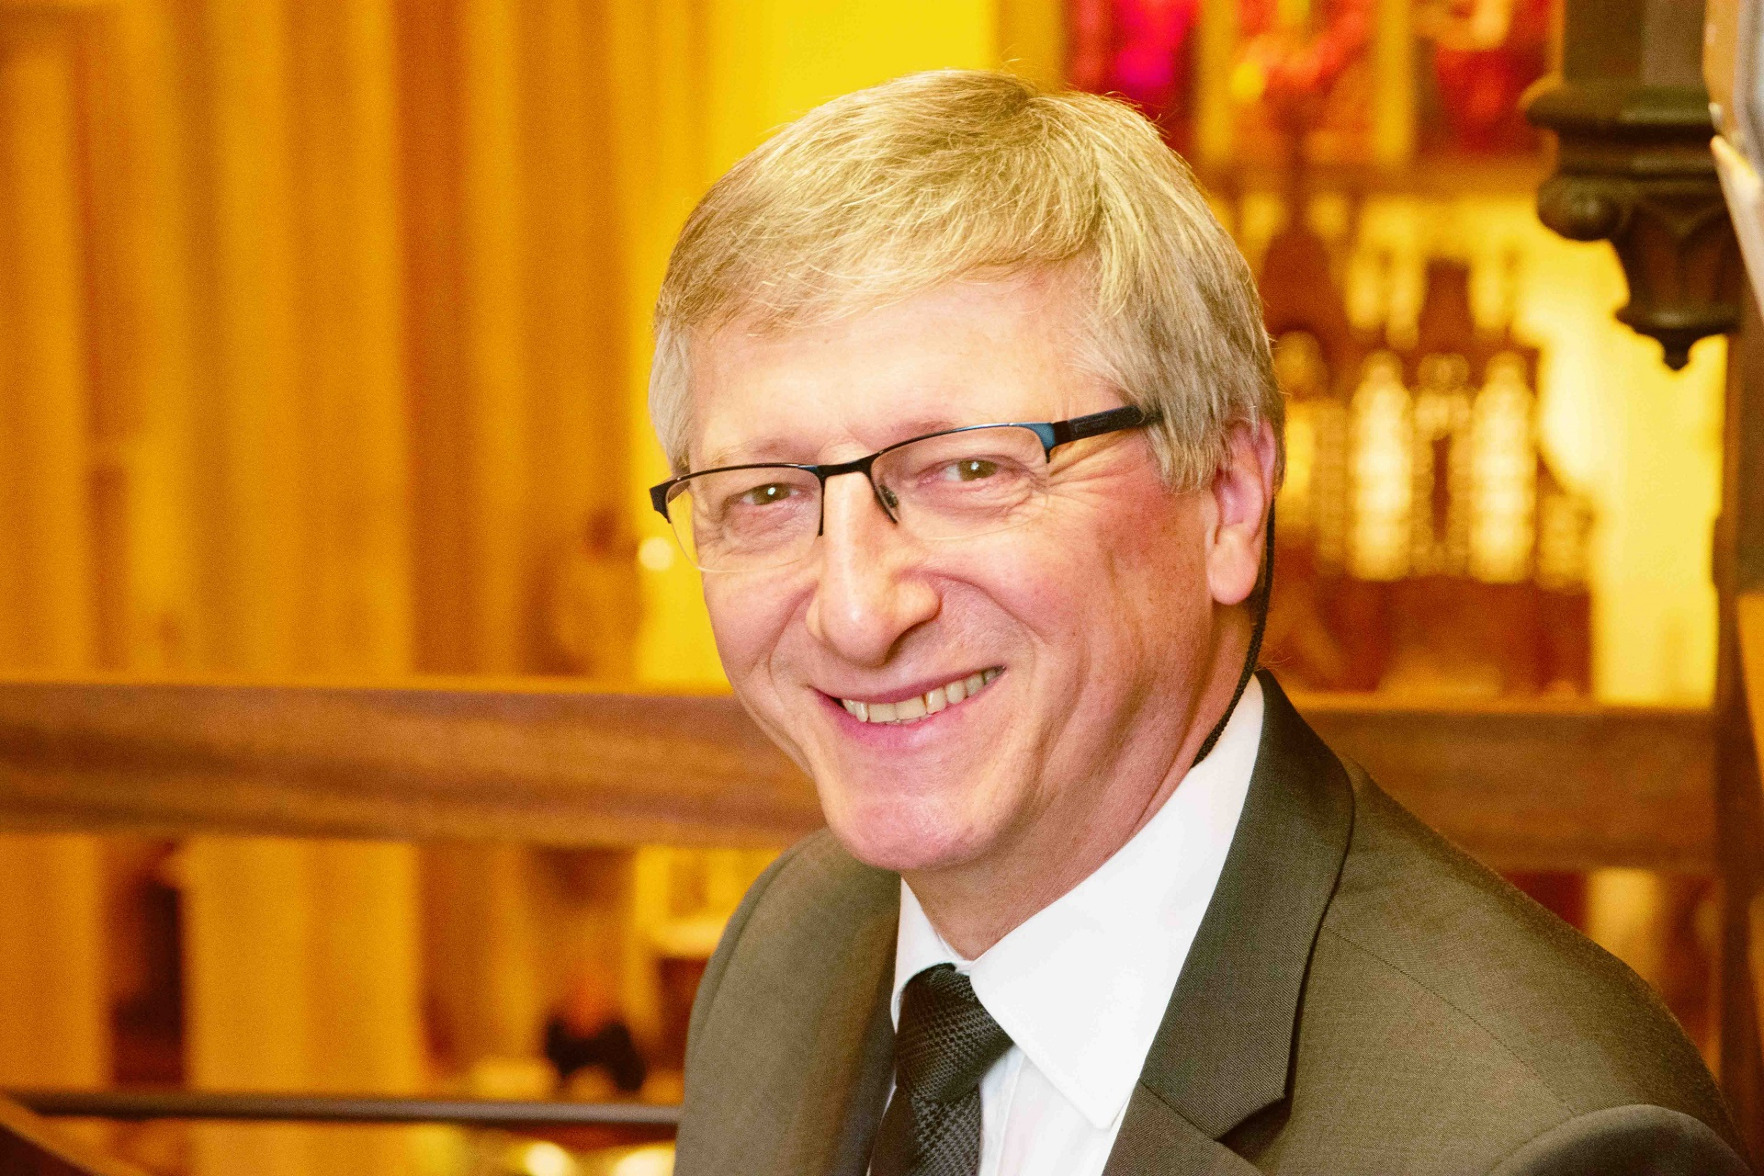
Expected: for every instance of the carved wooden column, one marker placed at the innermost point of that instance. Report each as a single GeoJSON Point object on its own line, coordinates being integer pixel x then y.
{"type": "Point", "coordinates": [1634, 168]}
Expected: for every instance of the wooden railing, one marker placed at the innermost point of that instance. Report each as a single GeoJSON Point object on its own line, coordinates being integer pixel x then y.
{"type": "Point", "coordinates": [511, 1114]}
{"type": "Point", "coordinates": [31, 1147]}
{"type": "Point", "coordinates": [1523, 785]}
{"type": "Point", "coordinates": [528, 761]}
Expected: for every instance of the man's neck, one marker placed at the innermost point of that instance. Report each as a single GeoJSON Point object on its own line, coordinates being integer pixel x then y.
{"type": "Point", "coordinates": [976, 904]}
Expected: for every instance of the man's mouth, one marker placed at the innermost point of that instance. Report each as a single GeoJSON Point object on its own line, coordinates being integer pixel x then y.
{"type": "Point", "coordinates": [911, 710]}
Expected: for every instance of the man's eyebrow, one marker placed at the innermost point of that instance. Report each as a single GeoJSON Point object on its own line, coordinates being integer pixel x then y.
{"type": "Point", "coordinates": [759, 451]}
{"type": "Point", "coordinates": [918, 427]}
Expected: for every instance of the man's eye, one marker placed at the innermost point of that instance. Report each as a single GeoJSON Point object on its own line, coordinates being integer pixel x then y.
{"type": "Point", "coordinates": [765, 495]}
{"type": "Point", "coordinates": [970, 469]}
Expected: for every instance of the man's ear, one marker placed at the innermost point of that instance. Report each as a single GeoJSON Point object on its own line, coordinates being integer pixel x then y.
{"type": "Point", "coordinates": [1243, 492]}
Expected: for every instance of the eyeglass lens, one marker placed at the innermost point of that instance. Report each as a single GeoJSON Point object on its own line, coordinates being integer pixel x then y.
{"type": "Point", "coordinates": [949, 486]}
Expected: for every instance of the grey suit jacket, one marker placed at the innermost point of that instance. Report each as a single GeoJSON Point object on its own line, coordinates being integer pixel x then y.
{"type": "Point", "coordinates": [1361, 998]}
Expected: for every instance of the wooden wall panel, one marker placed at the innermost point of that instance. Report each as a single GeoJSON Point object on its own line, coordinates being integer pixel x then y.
{"type": "Point", "coordinates": [517, 339]}
{"type": "Point", "coordinates": [56, 1030]}
{"type": "Point", "coordinates": [430, 101]}
{"type": "Point", "coordinates": [299, 513]}
{"type": "Point", "coordinates": [583, 610]}
{"type": "Point", "coordinates": [496, 424]}
{"type": "Point", "coordinates": [517, 373]}
{"type": "Point", "coordinates": [350, 291]}
{"type": "Point", "coordinates": [250, 428]}
{"type": "Point", "coordinates": [151, 363]}
{"type": "Point", "coordinates": [249, 1010]}
{"type": "Point", "coordinates": [46, 595]}
{"type": "Point", "coordinates": [52, 982]}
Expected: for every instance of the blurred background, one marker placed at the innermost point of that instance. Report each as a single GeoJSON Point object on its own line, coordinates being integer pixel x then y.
{"type": "Point", "coordinates": [323, 347]}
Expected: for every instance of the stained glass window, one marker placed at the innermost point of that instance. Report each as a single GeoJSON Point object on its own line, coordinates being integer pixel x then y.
{"type": "Point", "coordinates": [1236, 82]}
{"type": "Point", "coordinates": [1476, 58]}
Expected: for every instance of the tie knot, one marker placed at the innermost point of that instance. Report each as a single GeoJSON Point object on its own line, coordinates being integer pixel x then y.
{"type": "Point", "coordinates": [947, 1040]}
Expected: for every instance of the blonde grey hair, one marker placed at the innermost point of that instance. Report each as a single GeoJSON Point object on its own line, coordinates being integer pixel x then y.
{"type": "Point", "coordinates": [935, 177]}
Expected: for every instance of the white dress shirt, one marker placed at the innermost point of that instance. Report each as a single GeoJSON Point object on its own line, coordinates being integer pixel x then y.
{"type": "Point", "coordinates": [1083, 984]}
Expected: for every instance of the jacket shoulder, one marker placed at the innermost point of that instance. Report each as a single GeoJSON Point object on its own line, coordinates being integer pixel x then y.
{"type": "Point", "coordinates": [1442, 998]}
{"type": "Point", "coordinates": [1626, 1141]}
{"type": "Point", "coordinates": [813, 890]}
{"type": "Point", "coordinates": [782, 1042]}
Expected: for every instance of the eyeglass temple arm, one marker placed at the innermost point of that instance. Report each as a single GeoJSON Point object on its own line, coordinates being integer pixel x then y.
{"type": "Point", "coordinates": [1097, 423]}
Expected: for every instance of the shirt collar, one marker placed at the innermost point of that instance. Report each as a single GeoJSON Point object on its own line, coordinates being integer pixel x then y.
{"type": "Point", "coordinates": [1082, 985]}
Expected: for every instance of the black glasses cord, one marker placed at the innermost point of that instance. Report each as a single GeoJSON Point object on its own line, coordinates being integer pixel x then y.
{"type": "Point", "coordinates": [1264, 592]}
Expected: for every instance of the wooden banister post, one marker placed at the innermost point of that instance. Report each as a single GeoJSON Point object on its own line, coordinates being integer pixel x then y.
{"type": "Point", "coordinates": [1739, 577]}
{"type": "Point", "coordinates": [1633, 167]}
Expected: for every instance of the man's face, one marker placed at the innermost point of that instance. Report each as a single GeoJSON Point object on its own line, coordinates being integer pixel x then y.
{"type": "Point", "coordinates": [1085, 628]}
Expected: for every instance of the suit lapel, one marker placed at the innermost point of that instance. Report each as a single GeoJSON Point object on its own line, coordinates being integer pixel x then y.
{"type": "Point", "coordinates": [845, 1084]}
{"type": "Point", "coordinates": [1155, 1139]}
{"type": "Point", "coordinates": [868, 1085]}
{"type": "Point", "coordinates": [789, 1063]}
{"type": "Point", "coordinates": [1224, 1049]}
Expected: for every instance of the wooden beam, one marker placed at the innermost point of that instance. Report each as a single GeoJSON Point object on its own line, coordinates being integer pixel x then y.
{"type": "Point", "coordinates": [1541, 785]}
{"type": "Point", "coordinates": [1525, 786]}
{"type": "Point", "coordinates": [519, 761]}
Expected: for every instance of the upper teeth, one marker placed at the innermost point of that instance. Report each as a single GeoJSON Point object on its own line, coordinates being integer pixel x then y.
{"type": "Point", "coordinates": [909, 710]}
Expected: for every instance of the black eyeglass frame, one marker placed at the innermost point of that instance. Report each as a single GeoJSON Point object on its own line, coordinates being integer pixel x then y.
{"type": "Point", "coordinates": [1052, 435]}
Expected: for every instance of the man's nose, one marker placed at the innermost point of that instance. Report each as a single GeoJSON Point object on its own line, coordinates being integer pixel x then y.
{"type": "Point", "coordinates": [870, 592]}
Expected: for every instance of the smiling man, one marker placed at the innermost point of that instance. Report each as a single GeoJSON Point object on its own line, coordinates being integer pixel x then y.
{"type": "Point", "coordinates": [976, 442]}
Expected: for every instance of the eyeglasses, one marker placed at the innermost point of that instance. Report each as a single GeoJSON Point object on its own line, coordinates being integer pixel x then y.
{"type": "Point", "coordinates": [957, 484]}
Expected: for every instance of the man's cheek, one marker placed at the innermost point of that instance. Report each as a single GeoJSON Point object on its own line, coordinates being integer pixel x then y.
{"type": "Point", "coordinates": [739, 642]}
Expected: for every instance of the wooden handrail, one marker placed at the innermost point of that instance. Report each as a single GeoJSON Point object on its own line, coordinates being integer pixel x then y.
{"type": "Point", "coordinates": [314, 1108]}
{"type": "Point", "coordinates": [528, 761]}
{"type": "Point", "coordinates": [1541, 784]}
{"type": "Point", "coordinates": [1524, 785]}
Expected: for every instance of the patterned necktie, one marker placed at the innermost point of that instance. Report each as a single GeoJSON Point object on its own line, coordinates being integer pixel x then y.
{"type": "Point", "coordinates": [945, 1044]}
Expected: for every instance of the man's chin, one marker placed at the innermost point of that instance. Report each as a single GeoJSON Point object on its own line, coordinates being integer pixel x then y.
{"type": "Point", "coordinates": [904, 838]}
